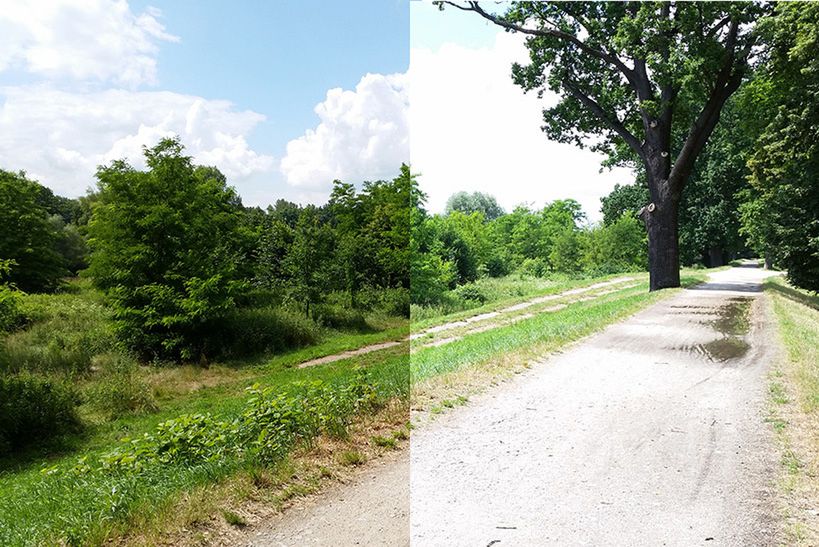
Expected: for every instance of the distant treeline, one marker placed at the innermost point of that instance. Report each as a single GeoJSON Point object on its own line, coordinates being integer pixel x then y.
{"type": "Point", "coordinates": [475, 238]}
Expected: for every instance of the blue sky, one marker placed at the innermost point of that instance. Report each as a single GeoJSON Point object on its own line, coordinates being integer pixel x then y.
{"type": "Point", "coordinates": [283, 96]}
{"type": "Point", "coordinates": [80, 86]}
{"type": "Point", "coordinates": [280, 58]}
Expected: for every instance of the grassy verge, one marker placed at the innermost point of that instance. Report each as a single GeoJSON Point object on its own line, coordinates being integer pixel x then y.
{"type": "Point", "coordinates": [188, 425]}
{"type": "Point", "coordinates": [85, 499]}
{"type": "Point", "coordinates": [794, 394]}
{"type": "Point", "coordinates": [446, 375]}
{"type": "Point", "coordinates": [517, 289]}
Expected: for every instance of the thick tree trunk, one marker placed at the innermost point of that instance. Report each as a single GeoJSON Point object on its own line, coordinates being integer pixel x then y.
{"type": "Point", "coordinates": [663, 246]}
{"type": "Point", "coordinates": [715, 257]}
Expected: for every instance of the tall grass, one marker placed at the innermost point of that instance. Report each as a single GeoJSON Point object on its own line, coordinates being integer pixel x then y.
{"type": "Point", "coordinates": [63, 333]}
{"type": "Point", "coordinates": [83, 500]}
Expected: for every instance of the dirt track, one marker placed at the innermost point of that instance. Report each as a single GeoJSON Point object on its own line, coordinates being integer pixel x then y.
{"type": "Point", "coordinates": [649, 433]}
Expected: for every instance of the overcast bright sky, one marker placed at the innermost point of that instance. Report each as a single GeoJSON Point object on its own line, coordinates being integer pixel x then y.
{"type": "Point", "coordinates": [473, 129]}
{"type": "Point", "coordinates": [282, 96]}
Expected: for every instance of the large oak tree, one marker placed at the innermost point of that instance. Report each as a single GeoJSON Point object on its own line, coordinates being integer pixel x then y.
{"type": "Point", "coordinates": [643, 82]}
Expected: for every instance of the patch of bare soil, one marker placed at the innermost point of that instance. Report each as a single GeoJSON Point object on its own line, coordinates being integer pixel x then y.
{"type": "Point", "coordinates": [351, 353]}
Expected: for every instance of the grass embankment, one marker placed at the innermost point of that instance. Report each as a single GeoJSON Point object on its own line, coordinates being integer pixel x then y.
{"type": "Point", "coordinates": [451, 372]}
{"type": "Point", "coordinates": [488, 294]}
{"type": "Point", "coordinates": [794, 392]}
{"type": "Point", "coordinates": [190, 427]}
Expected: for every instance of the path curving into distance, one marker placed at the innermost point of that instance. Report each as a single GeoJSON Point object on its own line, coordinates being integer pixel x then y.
{"type": "Point", "coordinates": [650, 432]}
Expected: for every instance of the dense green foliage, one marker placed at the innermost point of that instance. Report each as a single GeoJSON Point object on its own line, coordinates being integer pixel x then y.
{"type": "Point", "coordinates": [456, 249]}
{"type": "Point", "coordinates": [29, 239]}
{"type": "Point", "coordinates": [34, 410]}
{"type": "Point", "coordinates": [781, 217]}
{"type": "Point", "coordinates": [642, 82]}
{"type": "Point", "coordinates": [10, 314]}
{"type": "Point", "coordinates": [222, 433]}
{"type": "Point", "coordinates": [164, 243]}
{"type": "Point", "coordinates": [178, 254]}
{"type": "Point", "coordinates": [709, 223]}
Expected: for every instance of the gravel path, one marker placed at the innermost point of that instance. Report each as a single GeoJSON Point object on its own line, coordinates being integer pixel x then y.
{"type": "Point", "coordinates": [649, 433]}
{"type": "Point", "coordinates": [372, 509]}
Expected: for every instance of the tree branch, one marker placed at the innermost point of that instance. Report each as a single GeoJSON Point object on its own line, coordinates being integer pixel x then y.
{"type": "Point", "coordinates": [728, 80]}
{"type": "Point", "coordinates": [555, 33]}
{"type": "Point", "coordinates": [611, 121]}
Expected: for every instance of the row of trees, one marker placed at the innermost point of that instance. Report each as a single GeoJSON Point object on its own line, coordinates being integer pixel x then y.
{"type": "Point", "coordinates": [476, 238]}
{"type": "Point", "coordinates": [175, 251]}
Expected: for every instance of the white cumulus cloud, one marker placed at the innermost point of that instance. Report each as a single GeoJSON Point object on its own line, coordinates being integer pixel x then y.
{"type": "Point", "coordinates": [472, 129]}
{"type": "Point", "coordinates": [97, 40]}
{"type": "Point", "coordinates": [362, 135]}
{"type": "Point", "coordinates": [60, 137]}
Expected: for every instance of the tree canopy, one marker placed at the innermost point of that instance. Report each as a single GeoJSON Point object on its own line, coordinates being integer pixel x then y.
{"type": "Point", "coordinates": [475, 202]}
{"type": "Point", "coordinates": [165, 246]}
{"type": "Point", "coordinates": [781, 218]}
{"type": "Point", "coordinates": [29, 242]}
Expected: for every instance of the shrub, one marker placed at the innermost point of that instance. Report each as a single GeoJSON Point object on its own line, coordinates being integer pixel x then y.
{"type": "Point", "coordinates": [34, 409]}
{"type": "Point", "coordinates": [10, 314]}
{"type": "Point", "coordinates": [471, 292]}
{"type": "Point", "coordinates": [337, 316]}
{"type": "Point", "coordinates": [536, 267]}
{"type": "Point", "coordinates": [64, 332]}
{"type": "Point", "coordinates": [119, 391]}
{"type": "Point", "coordinates": [391, 301]}
{"type": "Point", "coordinates": [249, 331]}
{"type": "Point", "coordinates": [496, 266]}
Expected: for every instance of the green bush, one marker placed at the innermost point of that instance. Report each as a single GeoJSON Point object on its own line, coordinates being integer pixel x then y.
{"type": "Point", "coordinates": [496, 266]}
{"type": "Point", "coordinates": [252, 331]}
{"type": "Point", "coordinates": [391, 301]}
{"type": "Point", "coordinates": [33, 410]}
{"type": "Point", "coordinates": [535, 267]}
{"type": "Point", "coordinates": [11, 316]}
{"type": "Point", "coordinates": [471, 292]}
{"type": "Point", "coordinates": [337, 316]}
{"type": "Point", "coordinates": [63, 334]}
{"type": "Point", "coordinates": [118, 390]}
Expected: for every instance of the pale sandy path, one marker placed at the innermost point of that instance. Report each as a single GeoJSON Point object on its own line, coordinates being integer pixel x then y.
{"type": "Point", "coordinates": [371, 509]}
{"type": "Point", "coordinates": [639, 435]}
